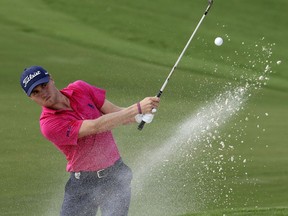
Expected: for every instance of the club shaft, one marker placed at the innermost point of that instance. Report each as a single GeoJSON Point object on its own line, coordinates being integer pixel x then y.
{"type": "Point", "coordinates": [141, 125]}
{"type": "Point", "coordinates": [184, 50]}
{"type": "Point", "coordinates": [181, 55]}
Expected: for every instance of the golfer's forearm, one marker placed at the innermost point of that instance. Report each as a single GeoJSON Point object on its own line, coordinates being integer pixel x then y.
{"type": "Point", "coordinates": [108, 121]}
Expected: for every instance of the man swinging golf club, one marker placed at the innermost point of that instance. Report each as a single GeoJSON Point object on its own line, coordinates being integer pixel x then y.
{"type": "Point", "coordinates": [78, 120]}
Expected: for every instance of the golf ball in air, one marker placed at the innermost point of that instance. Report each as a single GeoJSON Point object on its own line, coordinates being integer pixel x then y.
{"type": "Point", "coordinates": [218, 41]}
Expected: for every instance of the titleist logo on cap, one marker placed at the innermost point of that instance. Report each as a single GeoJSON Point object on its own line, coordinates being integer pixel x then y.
{"type": "Point", "coordinates": [33, 76]}
{"type": "Point", "coordinates": [30, 77]}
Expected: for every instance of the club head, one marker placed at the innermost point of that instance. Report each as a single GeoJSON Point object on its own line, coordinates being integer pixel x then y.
{"type": "Point", "coordinates": [210, 2]}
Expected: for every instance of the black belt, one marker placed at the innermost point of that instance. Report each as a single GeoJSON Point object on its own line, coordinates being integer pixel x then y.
{"type": "Point", "coordinates": [104, 172]}
{"type": "Point", "coordinates": [100, 173]}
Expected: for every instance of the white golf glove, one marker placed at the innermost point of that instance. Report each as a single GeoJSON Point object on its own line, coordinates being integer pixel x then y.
{"type": "Point", "coordinates": [138, 118]}
{"type": "Point", "coordinates": [147, 118]}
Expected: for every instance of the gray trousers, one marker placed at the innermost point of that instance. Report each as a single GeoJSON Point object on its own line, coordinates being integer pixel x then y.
{"type": "Point", "coordinates": [85, 192]}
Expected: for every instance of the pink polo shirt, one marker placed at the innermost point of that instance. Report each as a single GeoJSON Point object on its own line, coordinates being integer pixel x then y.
{"type": "Point", "coordinates": [90, 153]}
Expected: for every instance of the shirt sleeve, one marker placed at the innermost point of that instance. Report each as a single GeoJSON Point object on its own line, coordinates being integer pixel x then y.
{"type": "Point", "coordinates": [61, 131]}
{"type": "Point", "coordinates": [97, 95]}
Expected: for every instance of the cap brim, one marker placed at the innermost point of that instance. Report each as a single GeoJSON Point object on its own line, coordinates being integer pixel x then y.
{"type": "Point", "coordinates": [41, 81]}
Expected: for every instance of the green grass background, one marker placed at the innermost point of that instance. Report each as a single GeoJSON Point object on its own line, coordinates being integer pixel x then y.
{"type": "Point", "coordinates": [128, 48]}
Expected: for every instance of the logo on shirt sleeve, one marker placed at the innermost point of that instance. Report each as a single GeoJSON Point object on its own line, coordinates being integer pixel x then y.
{"type": "Point", "coordinates": [68, 131]}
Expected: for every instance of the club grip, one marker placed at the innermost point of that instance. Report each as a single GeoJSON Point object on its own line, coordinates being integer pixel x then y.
{"type": "Point", "coordinates": [141, 125]}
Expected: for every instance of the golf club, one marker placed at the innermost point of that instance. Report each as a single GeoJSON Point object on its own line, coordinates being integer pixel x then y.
{"type": "Point", "coordinates": [210, 2]}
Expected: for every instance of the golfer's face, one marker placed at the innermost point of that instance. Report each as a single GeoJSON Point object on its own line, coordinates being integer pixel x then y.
{"type": "Point", "coordinates": [44, 94]}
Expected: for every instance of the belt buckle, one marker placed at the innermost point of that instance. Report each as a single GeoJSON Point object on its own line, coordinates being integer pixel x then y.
{"type": "Point", "coordinates": [99, 175]}
{"type": "Point", "coordinates": [77, 175]}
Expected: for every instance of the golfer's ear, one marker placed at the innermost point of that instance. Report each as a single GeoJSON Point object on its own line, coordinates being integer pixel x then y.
{"type": "Point", "coordinates": [51, 78]}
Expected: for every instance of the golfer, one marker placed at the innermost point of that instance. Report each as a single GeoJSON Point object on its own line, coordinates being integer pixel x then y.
{"type": "Point", "coordinates": [78, 120]}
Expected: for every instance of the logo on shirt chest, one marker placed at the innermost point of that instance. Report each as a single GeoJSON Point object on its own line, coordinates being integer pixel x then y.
{"type": "Point", "coordinates": [91, 106]}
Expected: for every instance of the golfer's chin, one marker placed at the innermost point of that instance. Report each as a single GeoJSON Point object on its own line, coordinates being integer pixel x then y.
{"type": "Point", "coordinates": [48, 103]}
